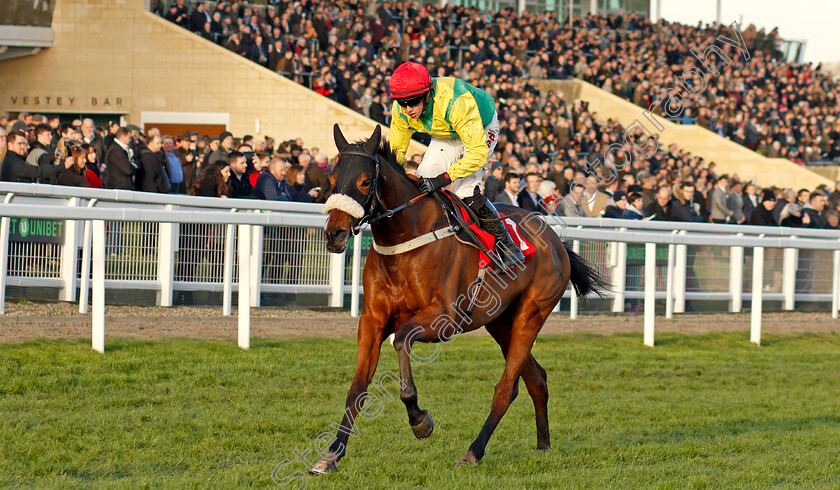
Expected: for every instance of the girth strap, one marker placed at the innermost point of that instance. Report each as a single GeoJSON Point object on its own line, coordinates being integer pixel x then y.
{"type": "Point", "coordinates": [417, 242]}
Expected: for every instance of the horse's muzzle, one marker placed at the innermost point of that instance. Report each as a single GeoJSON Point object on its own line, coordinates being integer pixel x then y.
{"type": "Point", "coordinates": [337, 240]}
{"type": "Point", "coordinates": [337, 230]}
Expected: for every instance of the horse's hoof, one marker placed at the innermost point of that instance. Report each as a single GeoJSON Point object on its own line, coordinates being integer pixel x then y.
{"type": "Point", "coordinates": [543, 448]}
{"type": "Point", "coordinates": [325, 465]}
{"type": "Point", "coordinates": [467, 460]}
{"type": "Point", "coordinates": [425, 428]}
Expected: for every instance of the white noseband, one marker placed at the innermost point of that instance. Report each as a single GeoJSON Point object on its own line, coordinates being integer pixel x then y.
{"type": "Point", "coordinates": [343, 202]}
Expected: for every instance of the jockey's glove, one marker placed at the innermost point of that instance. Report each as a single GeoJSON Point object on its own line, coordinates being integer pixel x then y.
{"type": "Point", "coordinates": [430, 184]}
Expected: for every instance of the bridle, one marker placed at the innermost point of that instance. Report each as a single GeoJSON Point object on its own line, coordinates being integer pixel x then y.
{"type": "Point", "coordinates": [374, 199]}
{"type": "Point", "coordinates": [373, 213]}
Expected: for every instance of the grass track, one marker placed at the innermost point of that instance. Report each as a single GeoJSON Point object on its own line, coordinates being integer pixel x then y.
{"type": "Point", "coordinates": [696, 411]}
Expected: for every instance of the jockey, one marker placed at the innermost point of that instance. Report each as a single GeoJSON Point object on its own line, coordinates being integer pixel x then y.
{"type": "Point", "coordinates": [464, 127]}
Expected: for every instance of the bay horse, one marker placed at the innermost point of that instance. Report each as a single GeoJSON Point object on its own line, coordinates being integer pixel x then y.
{"type": "Point", "coordinates": [412, 294]}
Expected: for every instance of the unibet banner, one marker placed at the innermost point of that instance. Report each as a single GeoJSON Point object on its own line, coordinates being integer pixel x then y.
{"type": "Point", "coordinates": [33, 230]}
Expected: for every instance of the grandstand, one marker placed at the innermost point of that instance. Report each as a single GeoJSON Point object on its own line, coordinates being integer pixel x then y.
{"type": "Point", "coordinates": [453, 39]}
{"type": "Point", "coordinates": [602, 49]}
{"type": "Point", "coordinates": [166, 165]}
{"type": "Point", "coordinates": [572, 92]}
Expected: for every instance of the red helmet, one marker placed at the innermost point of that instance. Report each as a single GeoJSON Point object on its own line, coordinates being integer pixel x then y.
{"type": "Point", "coordinates": [409, 80]}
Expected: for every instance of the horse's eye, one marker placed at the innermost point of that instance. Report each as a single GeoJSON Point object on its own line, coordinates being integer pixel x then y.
{"type": "Point", "coordinates": [366, 183]}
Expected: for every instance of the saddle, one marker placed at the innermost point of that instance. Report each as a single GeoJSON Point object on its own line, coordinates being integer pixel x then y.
{"type": "Point", "coordinates": [469, 230]}
{"type": "Point", "coordinates": [456, 212]}
{"type": "Point", "coordinates": [464, 225]}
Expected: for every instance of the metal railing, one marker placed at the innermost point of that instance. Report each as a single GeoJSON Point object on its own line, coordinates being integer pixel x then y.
{"type": "Point", "coordinates": [164, 243]}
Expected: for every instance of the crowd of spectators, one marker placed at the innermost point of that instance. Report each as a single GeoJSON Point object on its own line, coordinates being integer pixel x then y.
{"type": "Point", "coordinates": [345, 50]}
{"type": "Point", "coordinates": [546, 143]}
{"type": "Point", "coordinates": [689, 195]}
{"type": "Point", "coordinates": [779, 109]}
{"type": "Point", "coordinates": [38, 149]}
{"type": "Point", "coordinates": [665, 184]}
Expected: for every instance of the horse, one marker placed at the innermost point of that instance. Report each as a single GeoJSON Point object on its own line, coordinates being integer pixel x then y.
{"type": "Point", "coordinates": [416, 297]}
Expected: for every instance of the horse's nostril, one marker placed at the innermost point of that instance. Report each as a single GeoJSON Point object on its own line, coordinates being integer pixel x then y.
{"type": "Point", "coordinates": [338, 234]}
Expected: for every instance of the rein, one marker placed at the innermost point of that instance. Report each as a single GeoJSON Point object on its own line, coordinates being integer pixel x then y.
{"type": "Point", "coordinates": [391, 212]}
{"type": "Point", "coordinates": [374, 201]}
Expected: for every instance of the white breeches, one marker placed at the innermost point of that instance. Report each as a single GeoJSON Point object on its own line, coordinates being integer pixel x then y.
{"type": "Point", "coordinates": [443, 153]}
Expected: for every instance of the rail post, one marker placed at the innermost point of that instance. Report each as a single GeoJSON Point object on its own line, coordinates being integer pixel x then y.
{"type": "Point", "coordinates": [650, 292]}
{"type": "Point", "coordinates": [167, 242]}
{"type": "Point", "coordinates": [69, 262]}
{"type": "Point", "coordinates": [790, 262]}
{"type": "Point", "coordinates": [680, 268]}
{"type": "Point", "coordinates": [355, 275]}
{"type": "Point", "coordinates": [98, 287]}
{"type": "Point", "coordinates": [619, 274]}
{"type": "Point", "coordinates": [736, 277]}
{"type": "Point", "coordinates": [835, 275]}
{"type": "Point", "coordinates": [258, 232]}
{"type": "Point", "coordinates": [244, 296]}
{"type": "Point", "coordinates": [337, 279]}
{"type": "Point", "coordinates": [227, 269]}
{"type": "Point", "coordinates": [573, 300]}
{"type": "Point", "coordinates": [4, 253]}
{"type": "Point", "coordinates": [757, 291]}
{"type": "Point", "coordinates": [84, 284]}
{"type": "Point", "coordinates": [669, 283]}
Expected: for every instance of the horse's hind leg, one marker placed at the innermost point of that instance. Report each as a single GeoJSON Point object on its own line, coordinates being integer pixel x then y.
{"type": "Point", "coordinates": [534, 376]}
{"type": "Point", "coordinates": [528, 319]}
{"type": "Point", "coordinates": [537, 384]}
{"type": "Point", "coordinates": [499, 329]}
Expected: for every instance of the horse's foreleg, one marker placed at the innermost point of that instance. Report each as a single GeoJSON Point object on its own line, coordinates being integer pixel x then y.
{"type": "Point", "coordinates": [371, 334]}
{"type": "Point", "coordinates": [419, 328]}
{"type": "Point", "coordinates": [527, 322]}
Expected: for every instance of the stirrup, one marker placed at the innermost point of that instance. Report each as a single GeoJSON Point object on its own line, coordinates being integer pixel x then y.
{"type": "Point", "coordinates": [511, 256]}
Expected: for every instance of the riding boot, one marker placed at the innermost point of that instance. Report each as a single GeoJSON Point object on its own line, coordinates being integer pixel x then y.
{"type": "Point", "coordinates": [491, 222]}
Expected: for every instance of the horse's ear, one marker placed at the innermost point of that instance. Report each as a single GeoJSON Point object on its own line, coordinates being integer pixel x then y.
{"type": "Point", "coordinates": [373, 143]}
{"type": "Point", "coordinates": [340, 142]}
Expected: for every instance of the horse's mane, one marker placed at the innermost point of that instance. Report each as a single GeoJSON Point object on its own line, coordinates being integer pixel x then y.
{"type": "Point", "coordinates": [387, 155]}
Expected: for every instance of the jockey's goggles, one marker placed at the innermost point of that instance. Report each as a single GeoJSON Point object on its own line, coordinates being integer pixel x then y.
{"type": "Point", "coordinates": [412, 101]}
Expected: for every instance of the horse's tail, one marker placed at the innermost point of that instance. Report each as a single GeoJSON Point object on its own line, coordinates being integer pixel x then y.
{"type": "Point", "coordinates": [584, 277]}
